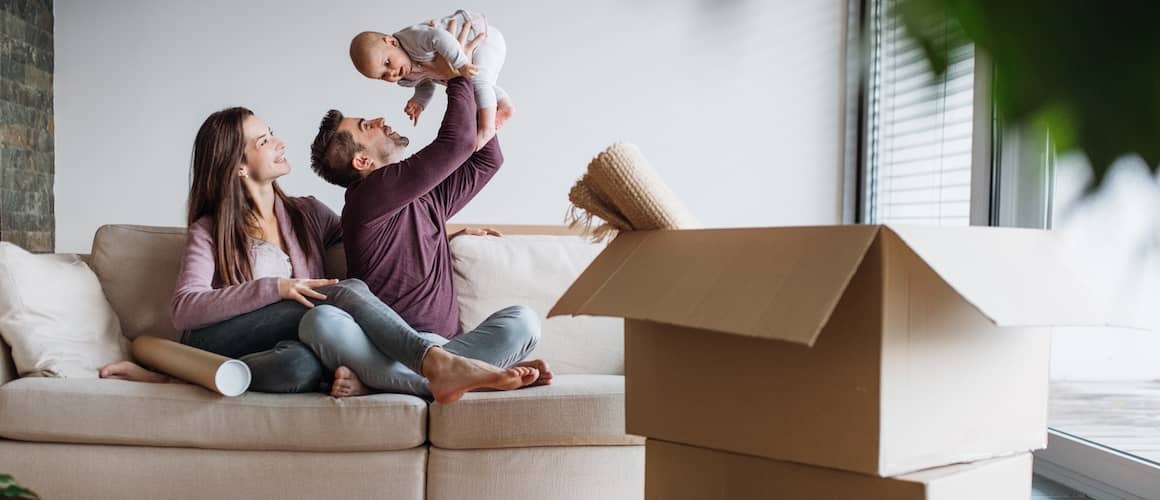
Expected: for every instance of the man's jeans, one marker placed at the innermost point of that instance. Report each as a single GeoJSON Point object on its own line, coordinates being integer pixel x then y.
{"type": "Point", "coordinates": [335, 334]}
{"type": "Point", "coordinates": [267, 340]}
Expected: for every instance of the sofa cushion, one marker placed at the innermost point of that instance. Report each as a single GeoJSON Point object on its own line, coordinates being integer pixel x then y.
{"type": "Point", "coordinates": [575, 410]}
{"type": "Point", "coordinates": [137, 266]}
{"type": "Point", "coordinates": [55, 316]}
{"type": "Point", "coordinates": [131, 413]}
{"type": "Point", "coordinates": [492, 273]}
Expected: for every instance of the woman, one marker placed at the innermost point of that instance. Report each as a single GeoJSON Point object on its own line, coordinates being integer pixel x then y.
{"type": "Point", "coordinates": [250, 273]}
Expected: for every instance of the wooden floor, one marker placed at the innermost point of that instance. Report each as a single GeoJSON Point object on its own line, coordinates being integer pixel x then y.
{"type": "Point", "coordinates": [1120, 415]}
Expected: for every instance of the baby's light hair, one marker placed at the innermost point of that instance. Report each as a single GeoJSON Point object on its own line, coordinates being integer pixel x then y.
{"type": "Point", "coordinates": [360, 48]}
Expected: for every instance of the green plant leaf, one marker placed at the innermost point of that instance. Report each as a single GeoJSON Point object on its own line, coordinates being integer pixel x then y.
{"type": "Point", "coordinates": [9, 489]}
{"type": "Point", "coordinates": [1087, 71]}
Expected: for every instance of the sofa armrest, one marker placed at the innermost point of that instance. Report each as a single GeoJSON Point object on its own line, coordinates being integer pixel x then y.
{"type": "Point", "coordinates": [7, 367]}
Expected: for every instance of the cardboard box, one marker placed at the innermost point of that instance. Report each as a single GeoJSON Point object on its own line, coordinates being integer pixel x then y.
{"type": "Point", "coordinates": [675, 472]}
{"type": "Point", "coordinates": [880, 350]}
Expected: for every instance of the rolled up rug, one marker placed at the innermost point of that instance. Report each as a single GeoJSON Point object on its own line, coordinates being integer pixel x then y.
{"type": "Point", "coordinates": [622, 189]}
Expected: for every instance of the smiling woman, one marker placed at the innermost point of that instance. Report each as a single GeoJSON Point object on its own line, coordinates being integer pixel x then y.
{"type": "Point", "coordinates": [251, 257]}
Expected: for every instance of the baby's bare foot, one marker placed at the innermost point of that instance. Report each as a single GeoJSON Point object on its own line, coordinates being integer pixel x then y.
{"type": "Point", "coordinates": [541, 366]}
{"type": "Point", "coordinates": [128, 370]}
{"type": "Point", "coordinates": [482, 137]}
{"type": "Point", "coordinates": [347, 384]}
{"type": "Point", "coordinates": [503, 113]}
{"type": "Point", "coordinates": [451, 376]}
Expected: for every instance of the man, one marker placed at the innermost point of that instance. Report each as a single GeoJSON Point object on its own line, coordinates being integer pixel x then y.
{"type": "Point", "coordinates": [394, 224]}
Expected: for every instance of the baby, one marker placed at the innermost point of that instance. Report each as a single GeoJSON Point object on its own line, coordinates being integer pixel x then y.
{"type": "Point", "coordinates": [408, 58]}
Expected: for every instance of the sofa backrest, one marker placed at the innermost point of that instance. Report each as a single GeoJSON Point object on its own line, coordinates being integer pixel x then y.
{"type": "Point", "coordinates": [137, 267]}
{"type": "Point", "coordinates": [534, 271]}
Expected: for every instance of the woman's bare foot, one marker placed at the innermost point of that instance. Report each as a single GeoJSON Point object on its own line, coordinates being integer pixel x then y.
{"type": "Point", "coordinates": [128, 370]}
{"type": "Point", "coordinates": [347, 384]}
{"type": "Point", "coordinates": [540, 365]}
{"type": "Point", "coordinates": [450, 376]}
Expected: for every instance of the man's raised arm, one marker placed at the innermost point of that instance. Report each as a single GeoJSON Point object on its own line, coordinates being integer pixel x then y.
{"type": "Point", "coordinates": [390, 188]}
{"type": "Point", "coordinates": [461, 186]}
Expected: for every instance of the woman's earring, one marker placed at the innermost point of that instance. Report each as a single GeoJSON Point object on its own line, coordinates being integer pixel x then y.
{"type": "Point", "coordinates": [242, 174]}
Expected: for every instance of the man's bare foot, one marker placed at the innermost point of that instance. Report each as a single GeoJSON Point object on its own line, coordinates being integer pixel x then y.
{"type": "Point", "coordinates": [503, 112]}
{"type": "Point", "coordinates": [540, 365]}
{"type": "Point", "coordinates": [450, 376]}
{"type": "Point", "coordinates": [128, 370]}
{"type": "Point", "coordinates": [347, 384]}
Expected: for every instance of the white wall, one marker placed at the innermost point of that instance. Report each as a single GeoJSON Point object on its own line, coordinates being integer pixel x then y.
{"type": "Point", "coordinates": [1113, 241]}
{"type": "Point", "coordinates": [737, 103]}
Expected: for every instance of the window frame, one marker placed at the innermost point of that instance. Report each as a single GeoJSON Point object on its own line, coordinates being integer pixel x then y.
{"type": "Point", "coordinates": [1095, 470]}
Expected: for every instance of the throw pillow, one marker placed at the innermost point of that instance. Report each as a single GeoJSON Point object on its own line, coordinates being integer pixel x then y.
{"type": "Point", "coordinates": [55, 316]}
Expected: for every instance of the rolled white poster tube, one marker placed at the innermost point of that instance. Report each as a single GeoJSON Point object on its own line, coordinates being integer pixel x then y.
{"type": "Point", "coordinates": [226, 376]}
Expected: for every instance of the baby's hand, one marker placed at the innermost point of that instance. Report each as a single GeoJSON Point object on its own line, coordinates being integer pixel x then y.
{"type": "Point", "coordinates": [413, 110]}
{"type": "Point", "coordinates": [469, 70]}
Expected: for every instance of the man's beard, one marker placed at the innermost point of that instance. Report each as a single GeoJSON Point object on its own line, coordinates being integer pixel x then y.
{"type": "Point", "coordinates": [393, 147]}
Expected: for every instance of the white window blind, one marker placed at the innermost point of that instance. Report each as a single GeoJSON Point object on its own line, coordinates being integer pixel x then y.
{"type": "Point", "coordinates": [918, 167]}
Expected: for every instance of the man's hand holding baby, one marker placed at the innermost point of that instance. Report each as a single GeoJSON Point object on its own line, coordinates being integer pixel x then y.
{"type": "Point", "coordinates": [469, 70]}
{"type": "Point", "coordinates": [443, 69]}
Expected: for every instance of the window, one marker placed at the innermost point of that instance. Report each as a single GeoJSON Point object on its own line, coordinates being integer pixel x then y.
{"type": "Point", "coordinates": [919, 130]}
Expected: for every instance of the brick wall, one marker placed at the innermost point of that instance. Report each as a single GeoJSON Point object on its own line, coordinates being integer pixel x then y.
{"type": "Point", "coordinates": [26, 127]}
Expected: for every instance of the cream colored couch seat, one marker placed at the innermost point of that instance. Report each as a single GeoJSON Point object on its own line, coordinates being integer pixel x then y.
{"type": "Point", "coordinates": [184, 415]}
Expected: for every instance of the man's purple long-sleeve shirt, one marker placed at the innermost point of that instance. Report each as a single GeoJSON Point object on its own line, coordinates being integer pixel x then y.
{"type": "Point", "coordinates": [394, 219]}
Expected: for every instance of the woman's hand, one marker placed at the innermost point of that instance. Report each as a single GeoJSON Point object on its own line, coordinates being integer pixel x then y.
{"type": "Point", "coordinates": [299, 289]}
{"type": "Point", "coordinates": [475, 231]}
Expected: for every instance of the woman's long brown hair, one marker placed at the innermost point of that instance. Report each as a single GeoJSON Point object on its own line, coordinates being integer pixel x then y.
{"type": "Point", "coordinates": [216, 190]}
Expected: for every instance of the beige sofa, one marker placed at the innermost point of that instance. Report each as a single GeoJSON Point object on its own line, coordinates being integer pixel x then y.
{"type": "Point", "coordinates": [92, 438]}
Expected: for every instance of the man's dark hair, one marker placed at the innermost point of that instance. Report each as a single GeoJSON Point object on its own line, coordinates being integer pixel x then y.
{"type": "Point", "coordinates": [332, 153]}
